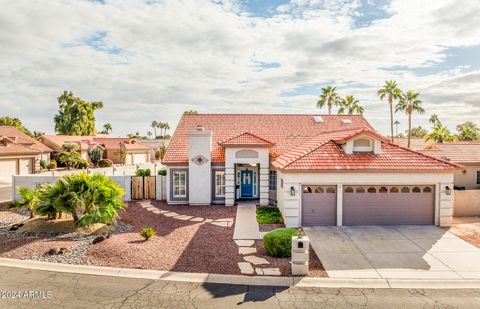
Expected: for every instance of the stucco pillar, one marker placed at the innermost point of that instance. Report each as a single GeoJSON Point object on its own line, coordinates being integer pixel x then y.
{"type": "Point", "coordinates": [229, 186]}
{"type": "Point", "coordinates": [339, 204]}
{"type": "Point", "coordinates": [445, 212]}
{"type": "Point", "coordinates": [264, 185]}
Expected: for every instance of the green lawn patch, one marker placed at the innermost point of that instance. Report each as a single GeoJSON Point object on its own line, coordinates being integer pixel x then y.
{"type": "Point", "coordinates": [278, 242]}
{"type": "Point", "coordinates": [269, 215]}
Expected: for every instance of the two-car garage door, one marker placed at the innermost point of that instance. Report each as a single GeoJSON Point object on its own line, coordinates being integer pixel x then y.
{"type": "Point", "coordinates": [21, 166]}
{"type": "Point", "coordinates": [369, 205]}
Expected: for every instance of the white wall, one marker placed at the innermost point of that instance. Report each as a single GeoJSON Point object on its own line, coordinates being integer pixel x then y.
{"type": "Point", "coordinates": [290, 206]}
{"type": "Point", "coordinates": [31, 181]}
{"type": "Point", "coordinates": [200, 175]}
{"type": "Point", "coordinates": [262, 158]}
{"type": "Point", "coordinates": [161, 188]}
{"type": "Point", "coordinates": [466, 203]}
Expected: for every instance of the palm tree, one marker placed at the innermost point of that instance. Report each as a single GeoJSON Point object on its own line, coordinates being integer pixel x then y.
{"type": "Point", "coordinates": [434, 120]}
{"type": "Point", "coordinates": [396, 123]}
{"type": "Point", "coordinates": [328, 98]}
{"type": "Point", "coordinates": [391, 91]}
{"type": "Point", "coordinates": [409, 103]}
{"type": "Point", "coordinates": [154, 125]}
{"type": "Point", "coordinates": [439, 134]}
{"type": "Point", "coordinates": [107, 128]}
{"type": "Point", "coordinates": [29, 199]}
{"type": "Point", "coordinates": [167, 127]}
{"type": "Point", "coordinates": [351, 105]}
{"type": "Point", "coordinates": [37, 134]}
{"type": "Point", "coordinates": [149, 134]}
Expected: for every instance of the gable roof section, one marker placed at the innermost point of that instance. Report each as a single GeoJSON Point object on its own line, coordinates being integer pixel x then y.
{"type": "Point", "coordinates": [85, 142]}
{"type": "Point", "coordinates": [284, 131]}
{"type": "Point", "coordinates": [245, 139]}
{"type": "Point", "coordinates": [461, 152]}
{"type": "Point", "coordinates": [324, 153]}
{"type": "Point", "coordinates": [20, 143]}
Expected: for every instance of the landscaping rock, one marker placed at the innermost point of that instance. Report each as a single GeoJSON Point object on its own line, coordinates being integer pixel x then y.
{"type": "Point", "coordinates": [255, 260]}
{"type": "Point", "coordinates": [53, 251]}
{"type": "Point", "coordinates": [245, 268]}
{"type": "Point", "coordinates": [99, 239]}
{"type": "Point", "coordinates": [246, 250]}
{"type": "Point", "coordinates": [16, 226]}
{"type": "Point", "coordinates": [62, 250]}
{"type": "Point", "coordinates": [271, 271]}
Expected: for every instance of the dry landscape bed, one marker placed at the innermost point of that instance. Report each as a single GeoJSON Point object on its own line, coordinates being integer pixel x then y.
{"type": "Point", "coordinates": [180, 245]}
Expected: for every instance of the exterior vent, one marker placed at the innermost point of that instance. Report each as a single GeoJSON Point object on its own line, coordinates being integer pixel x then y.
{"type": "Point", "coordinates": [318, 119]}
{"type": "Point", "coordinates": [200, 128]}
{"type": "Point", "coordinates": [347, 121]}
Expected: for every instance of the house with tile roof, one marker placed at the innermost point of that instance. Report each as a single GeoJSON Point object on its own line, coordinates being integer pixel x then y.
{"type": "Point", "coordinates": [318, 169]}
{"type": "Point", "coordinates": [113, 147]}
{"type": "Point", "coordinates": [466, 154]}
{"type": "Point", "coordinates": [20, 153]}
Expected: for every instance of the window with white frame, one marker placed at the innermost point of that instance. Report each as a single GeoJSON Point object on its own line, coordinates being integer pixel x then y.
{"type": "Point", "coordinates": [180, 184]}
{"type": "Point", "coordinates": [219, 183]}
{"type": "Point", "coordinates": [272, 180]}
{"type": "Point", "coordinates": [362, 145]}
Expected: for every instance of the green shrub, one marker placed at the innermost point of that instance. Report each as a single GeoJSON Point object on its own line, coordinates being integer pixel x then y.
{"type": "Point", "coordinates": [269, 215]}
{"type": "Point", "coordinates": [43, 164]}
{"type": "Point", "coordinates": [29, 199]}
{"type": "Point", "coordinates": [278, 242]}
{"type": "Point", "coordinates": [52, 165]}
{"type": "Point", "coordinates": [147, 233]}
{"type": "Point", "coordinates": [105, 163]}
{"type": "Point", "coordinates": [162, 172]}
{"type": "Point", "coordinates": [143, 172]}
{"type": "Point", "coordinates": [95, 155]}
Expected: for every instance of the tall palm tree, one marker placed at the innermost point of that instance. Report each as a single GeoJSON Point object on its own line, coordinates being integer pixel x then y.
{"type": "Point", "coordinates": [434, 120]}
{"type": "Point", "coordinates": [154, 125]}
{"type": "Point", "coordinates": [439, 134]}
{"type": "Point", "coordinates": [108, 128]}
{"type": "Point", "coordinates": [410, 103]}
{"type": "Point", "coordinates": [390, 91]}
{"type": "Point", "coordinates": [149, 134]}
{"type": "Point", "coordinates": [350, 105]}
{"type": "Point", "coordinates": [167, 127]}
{"type": "Point", "coordinates": [328, 98]}
{"type": "Point", "coordinates": [161, 126]}
{"type": "Point", "coordinates": [396, 123]}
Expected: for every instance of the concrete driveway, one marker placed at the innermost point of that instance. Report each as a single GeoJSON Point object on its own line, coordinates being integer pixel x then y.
{"type": "Point", "coordinates": [5, 193]}
{"type": "Point", "coordinates": [394, 252]}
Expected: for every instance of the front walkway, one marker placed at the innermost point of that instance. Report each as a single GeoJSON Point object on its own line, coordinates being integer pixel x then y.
{"type": "Point", "coordinates": [394, 252]}
{"type": "Point", "coordinates": [246, 225]}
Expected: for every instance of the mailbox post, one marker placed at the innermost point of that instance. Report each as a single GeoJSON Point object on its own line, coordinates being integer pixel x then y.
{"type": "Point", "coordinates": [300, 255]}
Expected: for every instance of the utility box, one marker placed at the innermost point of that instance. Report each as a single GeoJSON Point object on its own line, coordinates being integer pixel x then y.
{"type": "Point", "coordinates": [300, 255]}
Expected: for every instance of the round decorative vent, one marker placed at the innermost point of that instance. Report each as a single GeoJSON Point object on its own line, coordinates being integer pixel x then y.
{"type": "Point", "coordinates": [199, 160]}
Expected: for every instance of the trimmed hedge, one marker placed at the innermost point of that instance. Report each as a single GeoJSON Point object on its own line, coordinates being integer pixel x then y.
{"type": "Point", "coordinates": [278, 243]}
{"type": "Point", "coordinates": [105, 163]}
{"type": "Point", "coordinates": [269, 215]}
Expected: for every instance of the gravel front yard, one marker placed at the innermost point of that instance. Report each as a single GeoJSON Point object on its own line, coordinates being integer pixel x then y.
{"type": "Point", "coordinates": [467, 228]}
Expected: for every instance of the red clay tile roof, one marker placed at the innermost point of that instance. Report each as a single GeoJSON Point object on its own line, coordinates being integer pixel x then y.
{"type": "Point", "coordinates": [245, 139]}
{"type": "Point", "coordinates": [462, 152]}
{"type": "Point", "coordinates": [366, 131]}
{"type": "Point", "coordinates": [285, 131]}
{"type": "Point", "coordinates": [415, 143]}
{"type": "Point", "coordinates": [323, 153]}
{"type": "Point", "coordinates": [22, 143]}
{"type": "Point", "coordinates": [86, 142]}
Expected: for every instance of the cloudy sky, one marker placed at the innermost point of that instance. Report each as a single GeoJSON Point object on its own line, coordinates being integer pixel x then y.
{"type": "Point", "coordinates": [151, 60]}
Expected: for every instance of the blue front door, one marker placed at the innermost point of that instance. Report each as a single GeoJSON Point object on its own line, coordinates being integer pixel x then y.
{"type": "Point", "coordinates": [246, 185]}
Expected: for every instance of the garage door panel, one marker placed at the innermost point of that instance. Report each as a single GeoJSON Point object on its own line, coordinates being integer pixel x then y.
{"type": "Point", "coordinates": [319, 205]}
{"type": "Point", "coordinates": [390, 207]}
{"type": "Point", "coordinates": [8, 167]}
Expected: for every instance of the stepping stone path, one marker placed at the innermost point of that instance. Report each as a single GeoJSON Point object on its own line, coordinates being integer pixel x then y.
{"type": "Point", "coordinates": [247, 249]}
{"type": "Point", "coordinates": [223, 222]}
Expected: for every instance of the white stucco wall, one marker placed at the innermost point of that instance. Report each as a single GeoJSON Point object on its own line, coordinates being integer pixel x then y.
{"type": "Point", "coordinates": [290, 206]}
{"type": "Point", "coordinates": [231, 158]}
{"type": "Point", "coordinates": [200, 175]}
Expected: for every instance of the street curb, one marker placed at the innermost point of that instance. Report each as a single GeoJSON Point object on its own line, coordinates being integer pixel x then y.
{"type": "Point", "coordinates": [306, 282]}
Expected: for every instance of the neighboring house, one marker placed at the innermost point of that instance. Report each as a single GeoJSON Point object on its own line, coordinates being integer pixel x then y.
{"type": "Point", "coordinates": [320, 170]}
{"type": "Point", "coordinates": [19, 153]}
{"type": "Point", "coordinates": [112, 147]}
{"type": "Point", "coordinates": [466, 154]}
{"type": "Point", "coordinates": [415, 143]}
{"type": "Point", "coordinates": [153, 144]}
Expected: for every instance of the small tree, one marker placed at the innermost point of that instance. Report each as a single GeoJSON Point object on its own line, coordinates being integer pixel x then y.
{"type": "Point", "coordinates": [29, 199]}
{"type": "Point", "coordinates": [468, 131]}
{"type": "Point", "coordinates": [95, 155]}
{"type": "Point", "coordinates": [70, 157]}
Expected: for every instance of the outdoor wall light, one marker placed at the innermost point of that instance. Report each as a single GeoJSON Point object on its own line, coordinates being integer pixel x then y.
{"type": "Point", "coordinates": [292, 191]}
{"type": "Point", "coordinates": [448, 190]}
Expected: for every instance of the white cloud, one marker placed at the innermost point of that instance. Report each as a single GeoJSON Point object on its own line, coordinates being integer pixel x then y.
{"type": "Point", "coordinates": [178, 55]}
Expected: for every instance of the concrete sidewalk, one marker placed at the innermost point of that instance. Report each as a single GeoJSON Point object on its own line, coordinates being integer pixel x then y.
{"type": "Point", "coordinates": [246, 225]}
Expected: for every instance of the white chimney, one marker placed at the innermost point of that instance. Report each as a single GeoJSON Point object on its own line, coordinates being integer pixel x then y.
{"type": "Point", "coordinates": [200, 167]}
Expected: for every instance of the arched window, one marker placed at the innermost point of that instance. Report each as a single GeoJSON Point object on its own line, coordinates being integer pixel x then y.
{"type": "Point", "coordinates": [331, 190]}
{"type": "Point", "coordinates": [394, 190]}
{"type": "Point", "coordinates": [360, 190]}
{"type": "Point", "coordinates": [348, 190]}
{"type": "Point", "coordinates": [405, 190]}
{"type": "Point", "coordinates": [318, 190]}
{"type": "Point", "coordinates": [383, 190]}
{"type": "Point", "coordinates": [427, 190]}
{"type": "Point", "coordinates": [307, 190]}
{"type": "Point", "coordinates": [372, 190]}
{"type": "Point", "coordinates": [416, 190]}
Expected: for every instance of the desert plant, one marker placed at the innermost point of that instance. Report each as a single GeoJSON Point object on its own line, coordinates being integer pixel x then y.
{"type": "Point", "coordinates": [29, 199]}
{"type": "Point", "coordinates": [52, 165]}
{"type": "Point", "coordinates": [105, 163]}
{"type": "Point", "coordinates": [95, 197]}
{"type": "Point", "coordinates": [147, 233]}
{"type": "Point", "coordinates": [43, 164]}
{"type": "Point", "coordinates": [162, 172]}
{"type": "Point", "coordinates": [143, 172]}
{"type": "Point", "coordinates": [95, 155]}
{"type": "Point", "coordinates": [278, 242]}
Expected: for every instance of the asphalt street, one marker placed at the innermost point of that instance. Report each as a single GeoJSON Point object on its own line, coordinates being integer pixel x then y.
{"type": "Point", "coordinates": [5, 193]}
{"type": "Point", "coordinates": [44, 289]}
